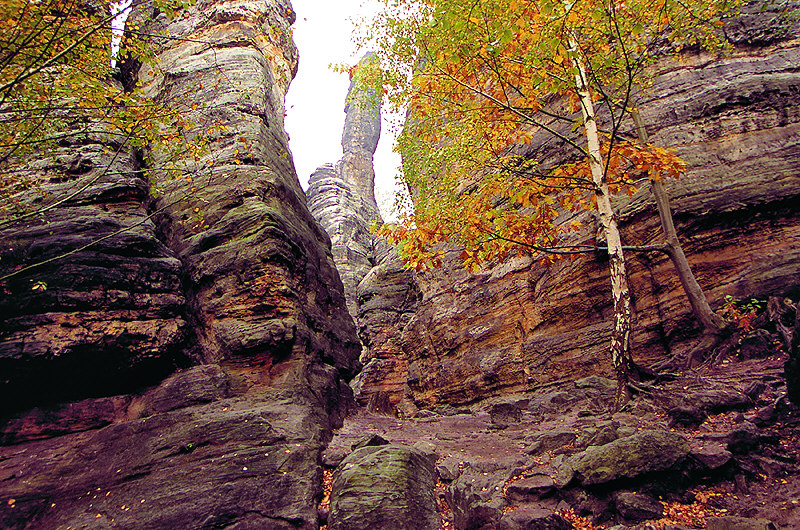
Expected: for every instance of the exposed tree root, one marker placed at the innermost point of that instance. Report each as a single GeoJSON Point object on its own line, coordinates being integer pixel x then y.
{"type": "Point", "coordinates": [710, 348]}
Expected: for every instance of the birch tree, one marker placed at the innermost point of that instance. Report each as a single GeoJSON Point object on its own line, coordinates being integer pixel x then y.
{"type": "Point", "coordinates": [484, 78]}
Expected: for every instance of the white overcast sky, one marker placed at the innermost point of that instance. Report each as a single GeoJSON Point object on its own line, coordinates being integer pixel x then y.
{"type": "Point", "coordinates": [323, 34]}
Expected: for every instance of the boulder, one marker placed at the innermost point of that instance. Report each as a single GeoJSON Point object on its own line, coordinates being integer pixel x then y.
{"type": "Point", "coordinates": [602, 435]}
{"type": "Point", "coordinates": [370, 440]}
{"type": "Point", "coordinates": [503, 415]}
{"type": "Point", "coordinates": [547, 441]}
{"type": "Point", "coordinates": [449, 468]}
{"type": "Point", "coordinates": [756, 344]}
{"type": "Point", "coordinates": [738, 523]}
{"type": "Point", "coordinates": [637, 507]}
{"type": "Point", "coordinates": [528, 518]}
{"type": "Point", "coordinates": [476, 496]}
{"type": "Point", "coordinates": [628, 457]}
{"type": "Point", "coordinates": [711, 456]}
{"type": "Point", "coordinates": [693, 408]}
{"type": "Point", "coordinates": [387, 486]}
{"type": "Point", "coordinates": [530, 488]}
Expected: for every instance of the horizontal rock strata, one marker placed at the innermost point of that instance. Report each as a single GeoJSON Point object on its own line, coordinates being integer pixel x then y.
{"type": "Point", "coordinates": [104, 318]}
{"type": "Point", "coordinates": [234, 275]}
{"type": "Point", "coordinates": [518, 326]}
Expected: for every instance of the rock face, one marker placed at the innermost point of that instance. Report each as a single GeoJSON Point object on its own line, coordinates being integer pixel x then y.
{"type": "Point", "coordinates": [518, 326]}
{"type": "Point", "coordinates": [108, 317]}
{"type": "Point", "coordinates": [249, 272]}
{"type": "Point", "coordinates": [251, 296]}
{"type": "Point", "coordinates": [346, 218]}
{"type": "Point", "coordinates": [381, 295]}
{"type": "Point", "coordinates": [449, 336]}
{"type": "Point", "coordinates": [388, 296]}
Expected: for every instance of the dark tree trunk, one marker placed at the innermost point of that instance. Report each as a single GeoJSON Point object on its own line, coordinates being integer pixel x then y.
{"type": "Point", "coordinates": [713, 325]}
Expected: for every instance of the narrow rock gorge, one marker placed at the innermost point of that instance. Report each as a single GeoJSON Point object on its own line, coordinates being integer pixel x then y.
{"type": "Point", "coordinates": [493, 366]}
{"type": "Point", "coordinates": [227, 351]}
{"type": "Point", "coordinates": [381, 295]}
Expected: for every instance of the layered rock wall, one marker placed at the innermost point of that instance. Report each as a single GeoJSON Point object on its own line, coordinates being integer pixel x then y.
{"type": "Point", "coordinates": [735, 120]}
{"type": "Point", "coordinates": [108, 317]}
{"type": "Point", "coordinates": [231, 273]}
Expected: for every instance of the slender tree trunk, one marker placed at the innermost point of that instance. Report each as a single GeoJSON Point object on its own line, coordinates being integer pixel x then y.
{"type": "Point", "coordinates": [711, 322]}
{"type": "Point", "coordinates": [620, 336]}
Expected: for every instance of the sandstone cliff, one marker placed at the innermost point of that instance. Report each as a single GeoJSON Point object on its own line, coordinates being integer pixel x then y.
{"type": "Point", "coordinates": [174, 377]}
{"type": "Point", "coordinates": [517, 326]}
{"type": "Point", "coordinates": [253, 301]}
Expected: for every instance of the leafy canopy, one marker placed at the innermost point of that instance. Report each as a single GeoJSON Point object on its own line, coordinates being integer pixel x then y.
{"type": "Point", "coordinates": [58, 88]}
{"type": "Point", "coordinates": [483, 79]}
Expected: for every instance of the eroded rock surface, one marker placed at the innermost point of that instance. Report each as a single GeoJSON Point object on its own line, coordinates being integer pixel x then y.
{"type": "Point", "coordinates": [234, 275]}
{"type": "Point", "coordinates": [104, 319]}
{"type": "Point", "coordinates": [387, 296]}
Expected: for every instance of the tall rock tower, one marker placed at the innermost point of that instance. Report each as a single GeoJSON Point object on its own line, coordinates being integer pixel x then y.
{"type": "Point", "coordinates": [342, 197]}
{"type": "Point", "coordinates": [381, 295]}
{"type": "Point", "coordinates": [223, 272]}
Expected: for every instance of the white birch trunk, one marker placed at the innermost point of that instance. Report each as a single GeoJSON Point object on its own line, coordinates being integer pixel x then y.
{"type": "Point", "coordinates": [620, 336]}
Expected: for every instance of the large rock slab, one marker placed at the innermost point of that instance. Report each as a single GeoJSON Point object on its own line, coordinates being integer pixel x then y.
{"type": "Point", "coordinates": [387, 486]}
{"type": "Point", "coordinates": [248, 460]}
{"type": "Point", "coordinates": [627, 457]}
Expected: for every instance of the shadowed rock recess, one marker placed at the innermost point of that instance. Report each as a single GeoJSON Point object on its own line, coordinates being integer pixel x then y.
{"type": "Point", "coordinates": [96, 433]}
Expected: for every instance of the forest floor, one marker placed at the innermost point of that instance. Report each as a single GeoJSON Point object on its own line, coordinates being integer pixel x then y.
{"type": "Point", "coordinates": [733, 411]}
